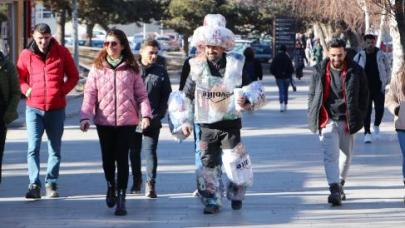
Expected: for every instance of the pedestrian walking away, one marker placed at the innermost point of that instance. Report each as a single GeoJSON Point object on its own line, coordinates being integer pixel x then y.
{"type": "Point", "coordinates": [9, 98]}
{"type": "Point", "coordinates": [396, 105]}
{"type": "Point", "coordinates": [252, 66]}
{"type": "Point", "coordinates": [114, 94]}
{"type": "Point", "coordinates": [157, 82]}
{"type": "Point", "coordinates": [375, 64]}
{"type": "Point", "coordinates": [337, 105]}
{"type": "Point", "coordinates": [299, 57]}
{"type": "Point", "coordinates": [282, 69]}
{"type": "Point", "coordinates": [47, 74]}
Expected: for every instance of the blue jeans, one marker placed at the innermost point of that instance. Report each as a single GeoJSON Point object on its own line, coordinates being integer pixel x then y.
{"type": "Point", "coordinates": [401, 140]}
{"type": "Point", "coordinates": [52, 123]}
{"type": "Point", "coordinates": [197, 150]}
{"type": "Point", "coordinates": [282, 85]}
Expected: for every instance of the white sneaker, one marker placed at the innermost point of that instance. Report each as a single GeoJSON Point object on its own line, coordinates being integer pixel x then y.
{"type": "Point", "coordinates": [367, 138]}
{"type": "Point", "coordinates": [285, 107]}
{"type": "Point", "coordinates": [196, 193]}
{"type": "Point", "coordinates": [376, 131]}
{"type": "Point", "coordinates": [281, 107]}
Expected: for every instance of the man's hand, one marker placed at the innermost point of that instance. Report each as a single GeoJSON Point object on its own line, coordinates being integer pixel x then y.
{"type": "Point", "coordinates": [187, 129]}
{"type": "Point", "coordinates": [241, 101]}
{"type": "Point", "coordinates": [145, 123]}
{"type": "Point", "coordinates": [84, 125]}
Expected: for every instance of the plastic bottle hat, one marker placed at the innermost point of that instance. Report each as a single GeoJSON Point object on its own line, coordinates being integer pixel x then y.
{"type": "Point", "coordinates": [214, 33]}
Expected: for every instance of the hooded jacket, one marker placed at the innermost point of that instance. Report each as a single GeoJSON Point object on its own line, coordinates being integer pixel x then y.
{"type": "Point", "coordinates": [46, 76]}
{"type": "Point", "coordinates": [10, 90]}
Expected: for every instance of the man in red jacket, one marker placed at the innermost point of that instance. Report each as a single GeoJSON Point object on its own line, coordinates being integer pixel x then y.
{"type": "Point", "coordinates": [47, 74]}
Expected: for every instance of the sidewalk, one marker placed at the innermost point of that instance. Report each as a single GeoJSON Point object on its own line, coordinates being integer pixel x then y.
{"type": "Point", "coordinates": [290, 188]}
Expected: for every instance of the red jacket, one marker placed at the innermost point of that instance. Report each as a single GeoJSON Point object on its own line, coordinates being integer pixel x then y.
{"type": "Point", "coordinates": [46, 78]}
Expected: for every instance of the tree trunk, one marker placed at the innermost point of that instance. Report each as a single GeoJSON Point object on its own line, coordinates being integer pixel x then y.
{"type": "Point", "coordinates": [186, 44]}
{"type": "Point", "coordinates": [89, 34]}
{"type": "Point", "coordinates": [363, 5]}
{"type": "Point", "coordinates": [397, 29]}
{"type": "Point", "coordinates": [60, 26]}
{"type": "Point", "coordinates": [321, 35]}
{"type": "Point", "coordinates": [382, 31]}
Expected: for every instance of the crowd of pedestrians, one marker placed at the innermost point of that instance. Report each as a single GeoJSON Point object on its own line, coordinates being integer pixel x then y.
{"type": "Point", "coordinates": [126, 99]}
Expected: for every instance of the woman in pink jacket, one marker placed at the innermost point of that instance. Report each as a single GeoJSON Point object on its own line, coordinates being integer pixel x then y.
{"type": "Point", "coordinates": [113, 94]}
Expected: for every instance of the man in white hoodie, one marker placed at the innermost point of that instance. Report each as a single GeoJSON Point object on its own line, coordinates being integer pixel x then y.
{"type": "Point", "coordinates": [375, 65]}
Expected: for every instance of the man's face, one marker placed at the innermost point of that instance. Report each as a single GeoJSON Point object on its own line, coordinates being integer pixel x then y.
{"type": "Point", "coordinates": [42, 40]}
{"type": "Point", "coordinates": [370, 44]}
{"type": "Point", "coordinates": [149, 55]}
{"type": "Point", "coordinates": [214, 52]}
{"type": "Point", "coordinates": [337, 56]}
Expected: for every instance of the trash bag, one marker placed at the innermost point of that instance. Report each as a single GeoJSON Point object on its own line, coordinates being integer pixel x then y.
{"type": "Point", "coordinates": [237, 165]}
{"type": "Point", "coordinates": [180, 112]}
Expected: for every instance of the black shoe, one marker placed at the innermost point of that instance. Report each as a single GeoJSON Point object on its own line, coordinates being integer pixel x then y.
{"type": "Point", "coordinates": [211, 209]}
{"type": "Point", "coordinates": [150, 189]}
{"type": "Point", "coordinates": [236, 204]}
{"type": "Point", "coordinates": [111, 197]}
{"type": "Point", "coordinates": [294, 89]}
{"type": "Point", "coordinates": [51, 190]}
{"type": "Point", "coordinates": [335, 197]}
{"type": "Point", "coordinates": [120, 210]}
{"type": "Point", "coordinates": [342, 193]}
{"type": "Point", "coordinates": [136, 187]}
{"type": "Point", "coordinates": [34, 192]}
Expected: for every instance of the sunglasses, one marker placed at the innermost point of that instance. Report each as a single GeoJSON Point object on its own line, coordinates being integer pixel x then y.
{"type": "Point", "coordinates": [108, 43]}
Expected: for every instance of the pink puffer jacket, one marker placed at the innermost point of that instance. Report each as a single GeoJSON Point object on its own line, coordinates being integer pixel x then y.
{"type": "Point", "coordinates": [113, 97]}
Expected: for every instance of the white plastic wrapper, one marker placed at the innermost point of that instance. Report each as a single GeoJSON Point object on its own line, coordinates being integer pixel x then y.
{"type": "Point", "coordinates": [214, 36]}
{"type": "Point", "coordinates": [233, 70]}
{"type": "Point", "coordinates": [238, 166]}
{"type": "Point", "coordinates": [255, 93]}
{"type": "Point", "coordinates": [214, 20]}
{"type": "Point", "coordinates": [180, 112]}
{"type": "Point", "coordinates": [210, 185]}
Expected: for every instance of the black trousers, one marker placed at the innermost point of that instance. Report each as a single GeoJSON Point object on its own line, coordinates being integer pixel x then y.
{"type": "Point", "coordinates": [3, 133]}
{"type": "Point", "coordinates": [114, 142]}
{"type": "Point", "coordinates": [146, 141]}
{"type": "Point", "coordinates": [212, 141]}
{"type": "Point", "coordinates": [378, 98]}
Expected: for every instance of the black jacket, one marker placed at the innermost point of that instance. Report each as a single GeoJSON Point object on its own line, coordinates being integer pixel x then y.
{"type": "Point", "coordinates": [158, 86]}
{"type": "Point", "coordinates": [257, 73]}
{"type": "Point", "coordinates": [281, 66]}
{"type": "Point", "coordinates": [356, 91]}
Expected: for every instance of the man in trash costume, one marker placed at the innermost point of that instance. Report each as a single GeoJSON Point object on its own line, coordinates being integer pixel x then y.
{"type": "Point", "coordinates": [214, 86]}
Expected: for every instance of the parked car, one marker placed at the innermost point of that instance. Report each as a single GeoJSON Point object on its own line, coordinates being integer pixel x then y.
{"type": "Point", "coordinates": [263, 52]}
{"type": "Point", "coordinates": [167, 43]}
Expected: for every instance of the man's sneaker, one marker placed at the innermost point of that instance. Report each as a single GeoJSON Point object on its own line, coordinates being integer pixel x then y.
{"type": "Point", "coordinates": [335, 197]}
{"type": "Point", "coordinates": [51, 191]}
{"type": "Point", "coordinates": [34, 192]}
{"type": "Point", "coordinates": [367, 138]}
{"type": "Point", "coordinates": [136, 187]}
{"type": "Point", "coordinates": [281, 107]}
{"type": "Point", "coordinates": [376, 131]}
{"type": "Point", "coordinates": [196, 193]}
{"type": "Point", "coordinates": [211, 209]}
{"type": "Point", "coordinates": [236, 204]}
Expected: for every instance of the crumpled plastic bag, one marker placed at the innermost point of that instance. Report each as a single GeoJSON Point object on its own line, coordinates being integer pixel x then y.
{"type": "Point", "coordinates": [237, 165]}
{"type": "Point", "coordinates": [255, 93]}
{"type": "Point", "coordinates": [180, 112]}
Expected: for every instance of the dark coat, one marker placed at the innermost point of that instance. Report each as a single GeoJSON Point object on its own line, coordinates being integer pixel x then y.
{"type": "Point", "coordinates": [158, 86]}
{"type": "Point", "coordinates": [253, 68]}
{"type": "Point", "coordinates": [356, 92]}
{"type": "Point", "coordinates": [281, 66]}
{"type": "Point", "coordinates": [10, 90]}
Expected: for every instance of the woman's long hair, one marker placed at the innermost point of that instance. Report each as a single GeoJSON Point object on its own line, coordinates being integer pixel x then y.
{"type": "Point", "coordinates": [128, 57]}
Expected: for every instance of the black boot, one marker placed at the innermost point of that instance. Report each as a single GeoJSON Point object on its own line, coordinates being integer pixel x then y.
{"type": "Point", "coordinates": [111, 197]}
{"type": "Point", "coordinates": [342, 193]}
{"type": "Point", "coordinates": [150, 189]}
{"type": "Point", "coordinates": [335, 197]}
{"type": "Point", "coordinates": [120, 209]}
